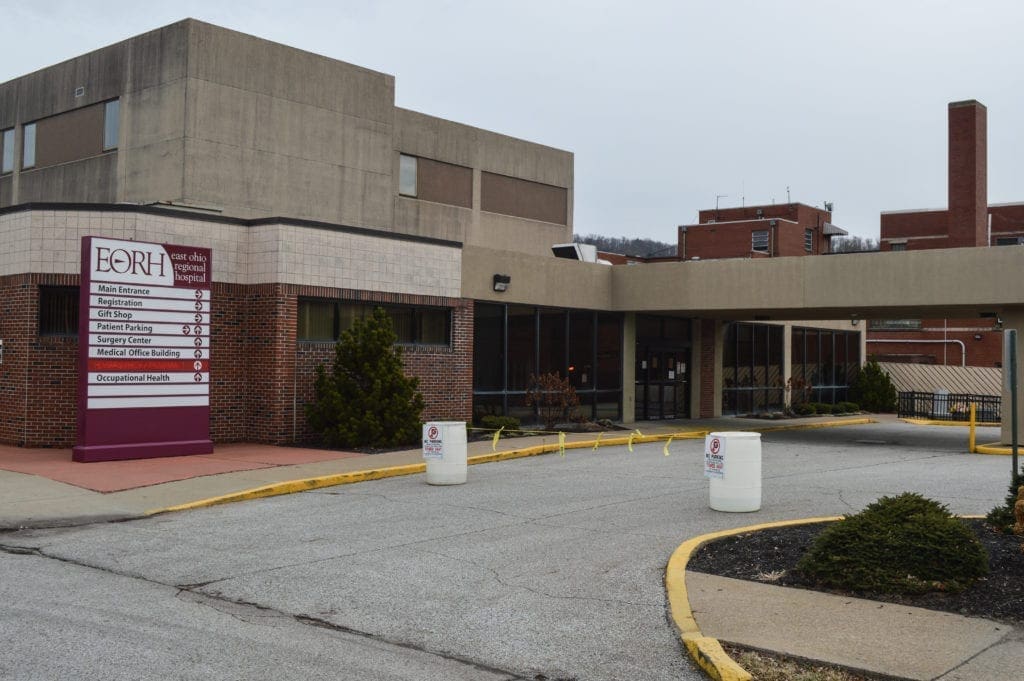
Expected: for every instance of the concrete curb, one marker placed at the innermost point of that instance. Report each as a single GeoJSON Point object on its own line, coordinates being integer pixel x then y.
{"type": "Point", "coordinates": [707, 652]}
{"type": "Point", "coordinates": [996, 448]}
{"type": "Point", "coordinates": [307, 484]}
{"type": "Point", "coordinates": [940, 422]}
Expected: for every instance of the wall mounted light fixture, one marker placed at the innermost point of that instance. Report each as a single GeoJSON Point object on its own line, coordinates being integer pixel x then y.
{"type": "Point", "coordinates": [501, 282]}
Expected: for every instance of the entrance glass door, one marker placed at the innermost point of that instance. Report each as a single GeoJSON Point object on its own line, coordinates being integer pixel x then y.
{"type": "Point", "coordinates": [662, 388]}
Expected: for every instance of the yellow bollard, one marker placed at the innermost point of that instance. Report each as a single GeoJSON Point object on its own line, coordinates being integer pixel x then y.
{"type": "Point", "coordinates": [970, 443]}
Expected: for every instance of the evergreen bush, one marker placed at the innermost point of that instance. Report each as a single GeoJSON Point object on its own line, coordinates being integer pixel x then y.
{"type": "Point", "coordinates": [366, 400]}
{"type": "Point", "coordinates": [492, 422]}
{"type": "Point", "coordinates": [1001, 517]}
{"type": "Point", "coordinates": [804, 409]}
{"type": "Point", "coordinates": [846, 408]}
{"type": "Point", "coordinates": [822, 408]}
{"type": "Point", "coordinates": [873, 390]}
{"type": "Point", "coordinates": [904, 544]}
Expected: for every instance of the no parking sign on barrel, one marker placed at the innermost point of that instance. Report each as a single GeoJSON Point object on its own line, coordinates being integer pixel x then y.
{"type": "Point", "coordinates": [732, 463]}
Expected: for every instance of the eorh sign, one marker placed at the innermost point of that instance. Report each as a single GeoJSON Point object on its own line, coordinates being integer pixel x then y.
{"type": "Point", "coordinates": [144, 351]}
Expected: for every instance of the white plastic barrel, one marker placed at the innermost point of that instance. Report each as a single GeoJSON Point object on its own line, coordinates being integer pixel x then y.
{"type": "Point", "coordinates": [738, 490]}
{"type": "Point", "coordinates": [444, 449]}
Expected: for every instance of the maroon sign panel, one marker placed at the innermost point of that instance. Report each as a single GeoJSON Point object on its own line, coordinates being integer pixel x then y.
{"type": "Point", "coordinates": [144, 351]}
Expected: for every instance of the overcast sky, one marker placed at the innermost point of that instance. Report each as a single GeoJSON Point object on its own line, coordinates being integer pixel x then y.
{"type": "Point", "coordinates": [665, 104]}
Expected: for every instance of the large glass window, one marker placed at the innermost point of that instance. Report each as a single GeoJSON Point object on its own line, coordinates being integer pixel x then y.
{"type": "Point", "coordinates": [489, 348]}
{"type": "Point", "coordinates": [58, 310]}
{"type": "Point", "coordinates": [584, 345]}
{"type": "Point", "coordinates": [111, 124]}
{"type": "Point", "coordinates": [7, 141]}
{"type": "Point", "coordinates": [824, 363]}
{"type": "Point", "coordinates": [407, 175]}
{"type": "Point", "coordinates": [325, 320]}
{"type": "Point", "coordinates": [752, 369]}
{"type": "Point", "coordinates": [28, 142]}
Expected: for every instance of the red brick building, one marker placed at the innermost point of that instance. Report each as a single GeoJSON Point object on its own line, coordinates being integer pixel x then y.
{"type": "Point", "coordinates": [782, 230]}
{"type": "Point", "coordinates": [969, 221]}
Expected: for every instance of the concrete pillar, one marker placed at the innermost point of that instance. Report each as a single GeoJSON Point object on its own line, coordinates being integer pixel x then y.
{"type": "Point", "coordinates": [629, 368]}
{"type": "Point", "coordinates": [1012, 320]}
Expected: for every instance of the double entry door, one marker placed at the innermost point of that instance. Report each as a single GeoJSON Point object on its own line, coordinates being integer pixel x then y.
{"type": "Point", "coordinates": [662, 383]}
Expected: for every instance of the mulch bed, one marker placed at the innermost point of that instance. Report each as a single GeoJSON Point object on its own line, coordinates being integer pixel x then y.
{"type": "Point", "coordinates": [770, 556]}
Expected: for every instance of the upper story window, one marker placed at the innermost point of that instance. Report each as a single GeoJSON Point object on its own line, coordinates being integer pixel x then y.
{"type": "Point", "coordinates": [111, 124]}
{"type": "Point", "coordinates": [325, 320]}
{"type": "Point", "coordinates": [894, 324]}
{"type": "Point", "coordinates": [759, 240]}
{"type": "Point", "coordinates": [809, 240]}
{"type": "Point", "coordinates": [28, 146]}
{"type": "Point", "coordinates": [7, 151]}
{"type": "Point", "coordinates": [407, 175]}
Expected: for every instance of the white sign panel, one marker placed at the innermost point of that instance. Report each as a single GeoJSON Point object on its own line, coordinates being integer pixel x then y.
{"type": "Point", "coordinates": [714, 457]}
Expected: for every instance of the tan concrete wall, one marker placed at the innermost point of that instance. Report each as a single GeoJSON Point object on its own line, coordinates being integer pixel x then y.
{"type": "Point", "coordinates": [953, 282]}
{"type": "Point", "coordinates": [535, 281]}
{"type": "Point", "coordinates": [429, 137]}
{"type": "Point", "coordinates": [147, 72]}
{"type": "Point", "coordinates": [275, 131]}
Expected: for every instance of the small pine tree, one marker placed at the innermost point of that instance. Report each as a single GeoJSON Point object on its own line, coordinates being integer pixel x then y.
{"type": "Point", "coordinates": [873, 389]}
{"type": "Point", "coordinates": [366, 400]}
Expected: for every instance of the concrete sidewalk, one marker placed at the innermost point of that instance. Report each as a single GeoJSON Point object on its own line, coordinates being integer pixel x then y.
{"type": "Point", "coordinates": [879, 638]}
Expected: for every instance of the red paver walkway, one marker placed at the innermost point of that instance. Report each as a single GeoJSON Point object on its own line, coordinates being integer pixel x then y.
{"type": "Point", "coordinates": [114, 476]}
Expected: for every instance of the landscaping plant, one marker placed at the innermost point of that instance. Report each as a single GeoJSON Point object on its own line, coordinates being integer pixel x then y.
{"type": "Point", "coordinates": [904, 544]}
{"type": "Point", "coordinates": [555, 398]}
{"type": "Point", "coordinates": [1001, 517]}
{"type": "Point", "coordinates": [366, 400]}
{"type": "Point", "coordinates": [873, 390]}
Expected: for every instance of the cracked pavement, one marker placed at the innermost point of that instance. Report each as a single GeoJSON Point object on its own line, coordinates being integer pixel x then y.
{"type": "Point", "coordinates": [543, 567]}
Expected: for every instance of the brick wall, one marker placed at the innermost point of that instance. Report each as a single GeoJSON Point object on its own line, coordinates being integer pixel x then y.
{"type": "Point", "coordinates": [261, 377]}
{"type": "Point", "coordinates": [986, 351]}
{"type": "Point", "coordinates": [707, 368]}
{"type": "Point", "coordinates": [445, 373]}
{"type": "Point", "coordinates": [38, 376]}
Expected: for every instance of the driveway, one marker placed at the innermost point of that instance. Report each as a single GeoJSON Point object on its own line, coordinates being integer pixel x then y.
{"type": "Point", "coordinates": [549, 567]}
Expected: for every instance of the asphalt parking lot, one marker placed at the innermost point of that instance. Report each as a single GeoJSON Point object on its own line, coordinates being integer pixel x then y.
{"type": "Point", "coordinates": [543, 567]}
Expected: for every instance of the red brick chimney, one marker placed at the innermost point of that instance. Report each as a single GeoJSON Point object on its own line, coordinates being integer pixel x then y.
{"type": "Point", "coordinates": [968, 174]}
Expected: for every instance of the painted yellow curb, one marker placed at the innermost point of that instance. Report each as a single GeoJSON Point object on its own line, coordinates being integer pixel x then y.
{"type": "Point", "coordinates": [997, 448]}
{"type": "Point", "coordinates": [306, 484]}
{"type": "Point", "coordinates": [706, 651]}
{"type": "Point", "coordinates": [292, 486]}
{"type": "Point", "coordinates": [962, 424]}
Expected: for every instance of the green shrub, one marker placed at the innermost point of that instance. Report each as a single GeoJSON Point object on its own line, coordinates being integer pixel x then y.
{"type": "Point", "coordinates": [366, 400]}
{"type": "Point", "coordinates": [822, 408]}
{"type": "Point", "coordinates": [903, 544]}
{"type": "Point", "coordinates": [1001, 517]}
{"type": "Point", "coordinates": [803, 409]}
{"type": "Point", "coordinates": [491, 422]}
{"type": "Point", "coordinates": [873, 389]}
{"type": "Point", "coordinates": [846, 408]}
